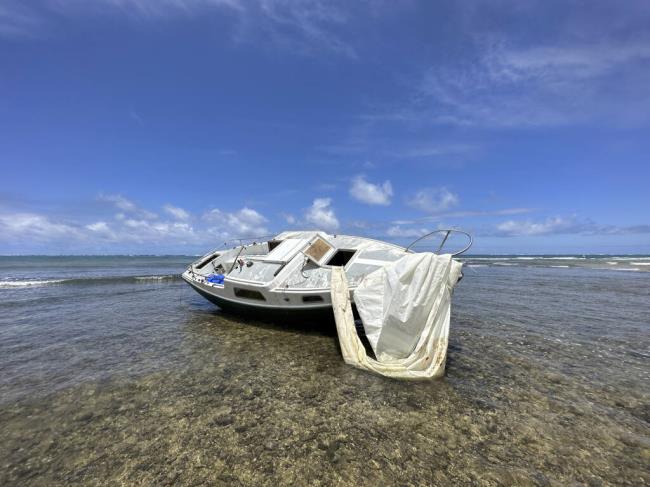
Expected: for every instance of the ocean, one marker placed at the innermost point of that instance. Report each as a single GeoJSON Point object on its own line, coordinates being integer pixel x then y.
{"type": "Point", "coordinates": [113, 371]}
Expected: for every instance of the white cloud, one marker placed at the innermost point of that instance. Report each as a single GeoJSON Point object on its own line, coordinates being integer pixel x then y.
{"type": "Point", "coordinates": [34, 226]}
{"type": "Point", "coordinates": [176, 212]}
{"type": "Point", "coordinates": [245, 222]}
{"type": "Point", "coordinates": [550, 225]}
{"type": "Point", "coordinates": [98, 227]}
{"type": "Point", "coordinates": [504, 211]}
{"type": "Point", "coordinates": [560, 63]}
{"type": "Point", "coordinates": [25, 232]}
{"type": "Point", "coordinates": [131, 223]}
{"type": "Point", "coordinates": [564, 225]}
{"type": "Point", "coordinates": [299, 27]}
{"type": "Point", "coordinates": [321, 214]}
{"type": "Point", "coordinates": [433, 151]}
{"type": "Point", "coordinates": [135, 116]}
{"type": "Point", "coordinates": [144, 231]}
{"type": "Point", "coordinates": [130, 229]}
{"type": "Point", "coordinates": [119, 201]}
{"type": "Point", "coordinates": [17, 20]}
{"type": "Point", "coordinates": [304, 26]}
{"type": "Point", "coordinates": [326, 187]}
{"type": "Point", "coordinates": [30, 230]}
{"type": "Point", "coordinates": [399, 231]}
{"type": "Point", "coordinates": [465, 214]}
{"type": "Point", "coordinates": [433, 200]}
{"type": "Point", "coordinates": [550, 85]}
{"type": "Point", "coordinates": [289, 218]}
{"type": "Point", "coordinates": [126, 205]}
{"type": "Point", "coordinates": [101, 229]}
{"type": "Point", "coordinates": [160, 8]}
{"type": "Point", "coordinates": [369, 193]}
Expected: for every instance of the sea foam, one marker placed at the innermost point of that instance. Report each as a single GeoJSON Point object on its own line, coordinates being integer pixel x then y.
{"type": "Point", "coordinates": [19, 284]}
{"type": "Point", "coordinates": [155, 278]}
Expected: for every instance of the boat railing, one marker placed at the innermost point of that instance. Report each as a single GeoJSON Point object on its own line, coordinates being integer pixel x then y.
{"type": "Point", "coordinates": [247, 240]}
{"type": "Point", "coordinates": [447, 232]}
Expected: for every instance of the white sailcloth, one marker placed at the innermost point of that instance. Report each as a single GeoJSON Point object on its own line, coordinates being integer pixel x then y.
{"type": "Point", "coordinates": [405, 309]}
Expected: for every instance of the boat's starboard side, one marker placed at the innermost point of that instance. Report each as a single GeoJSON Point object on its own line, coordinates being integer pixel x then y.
{"type": "Point", "coordinates": [289, 273]}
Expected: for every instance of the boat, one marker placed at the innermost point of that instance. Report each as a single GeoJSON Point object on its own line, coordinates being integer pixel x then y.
{"type": "Point", "coordinates": [289, 275]}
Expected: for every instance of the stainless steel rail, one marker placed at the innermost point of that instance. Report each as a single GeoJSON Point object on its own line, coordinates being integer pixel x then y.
{"type": "Point", "coordinates": [447, 232]}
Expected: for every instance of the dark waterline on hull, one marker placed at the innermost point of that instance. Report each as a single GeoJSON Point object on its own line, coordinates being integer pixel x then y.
{"type": "Point", "coordinates": [323, 315]}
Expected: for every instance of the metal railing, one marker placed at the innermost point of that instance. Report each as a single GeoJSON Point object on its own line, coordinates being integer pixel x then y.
{"type": "Point", "coordinates": [447, 232]}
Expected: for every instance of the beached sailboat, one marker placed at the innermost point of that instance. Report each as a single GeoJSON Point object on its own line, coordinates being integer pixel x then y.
{"type": "Point", "coordinates": [403, 298]}
{"type": "Point", "coordinates": [290, 274]}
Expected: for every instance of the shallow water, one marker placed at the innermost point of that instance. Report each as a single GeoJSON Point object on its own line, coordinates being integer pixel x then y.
{"type": "Point", "coordinates": [109, 379]}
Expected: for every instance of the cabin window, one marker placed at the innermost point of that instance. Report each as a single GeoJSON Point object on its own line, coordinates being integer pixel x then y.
{"type": "Point", "coordinates": [249, 294]}
{"type": "Point", "coordinates": [341, 257]}
{"type": "Point", "coordinates": [312, 299]}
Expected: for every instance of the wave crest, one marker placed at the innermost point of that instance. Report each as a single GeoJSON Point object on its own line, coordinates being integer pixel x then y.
{"type": "Point", "coordinates": [29, 283]}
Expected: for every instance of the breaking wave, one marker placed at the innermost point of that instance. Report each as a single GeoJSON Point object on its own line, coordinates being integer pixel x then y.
{"type": "Point", "coordinates": [618, 269]}
{"type": "Point", "coordinates": [157, 278]}
{"type": "Point", "coordinates": [31, 283]}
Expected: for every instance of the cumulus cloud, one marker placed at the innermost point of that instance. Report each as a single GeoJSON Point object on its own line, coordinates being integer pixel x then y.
{"type": "Point", "coordinates": [148, 231]}
{"type": "Point", "coordinates": [143, 231]}
{"type": "Point", "coordinates": [130, 228]}
{"type": "Point", "coordinates": [97, 227]}
{"type": "Point", "coordinates": [176, 212]}
{"type": "Point", "coordinates": [398, 231]}
{"type": "Point", "coordinates": [101, 229]}
{"type": "Point", "coordinates": [35, 226]}
{"type": "Point", "coordinates": [321, 215]}
{"type": "Point", "coordinates": [369, 193]}
{"type": "Point", "coordinates": [22, 231]}
{"type": "Point", "coordinates": [245, 222]}
{"type": "Point", "coordinates": [126, 205]}
{"type": "Point", "coordinates": [550, 225]}
{"type": "Point", "coordinates": [433, 200]}
{"type": "Point", "coordinates": [119, 201]}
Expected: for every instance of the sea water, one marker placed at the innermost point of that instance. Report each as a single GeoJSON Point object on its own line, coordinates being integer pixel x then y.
{"type": "Point", "coordinates": [112, 370]}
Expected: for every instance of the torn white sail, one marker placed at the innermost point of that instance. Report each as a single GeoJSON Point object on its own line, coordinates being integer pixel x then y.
{"type": "Point", "coordinates": [405, 310]}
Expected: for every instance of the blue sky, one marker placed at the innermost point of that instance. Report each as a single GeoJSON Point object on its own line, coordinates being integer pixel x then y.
{"type": "Point", "coordinates": [154, 126]}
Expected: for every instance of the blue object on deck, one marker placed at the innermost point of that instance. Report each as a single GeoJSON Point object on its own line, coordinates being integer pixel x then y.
{"type": "Point", "coordinates": [215, 278]}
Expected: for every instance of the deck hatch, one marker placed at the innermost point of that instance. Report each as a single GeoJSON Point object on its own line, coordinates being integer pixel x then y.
{"type": "Point", "coordinates": [206, 261]}
{"type": "Point", "coordinates": [341, 257]}
{"type": "Point", "coordinates": [273, 244]}
{"type": "Point", "coordinates": [318, 249]}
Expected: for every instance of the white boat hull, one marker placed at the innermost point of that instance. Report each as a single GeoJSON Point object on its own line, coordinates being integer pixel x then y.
{"type": "Point", "coordinates": [288, 276]}
{"type": "Point", "coordinates": [318, 313]}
